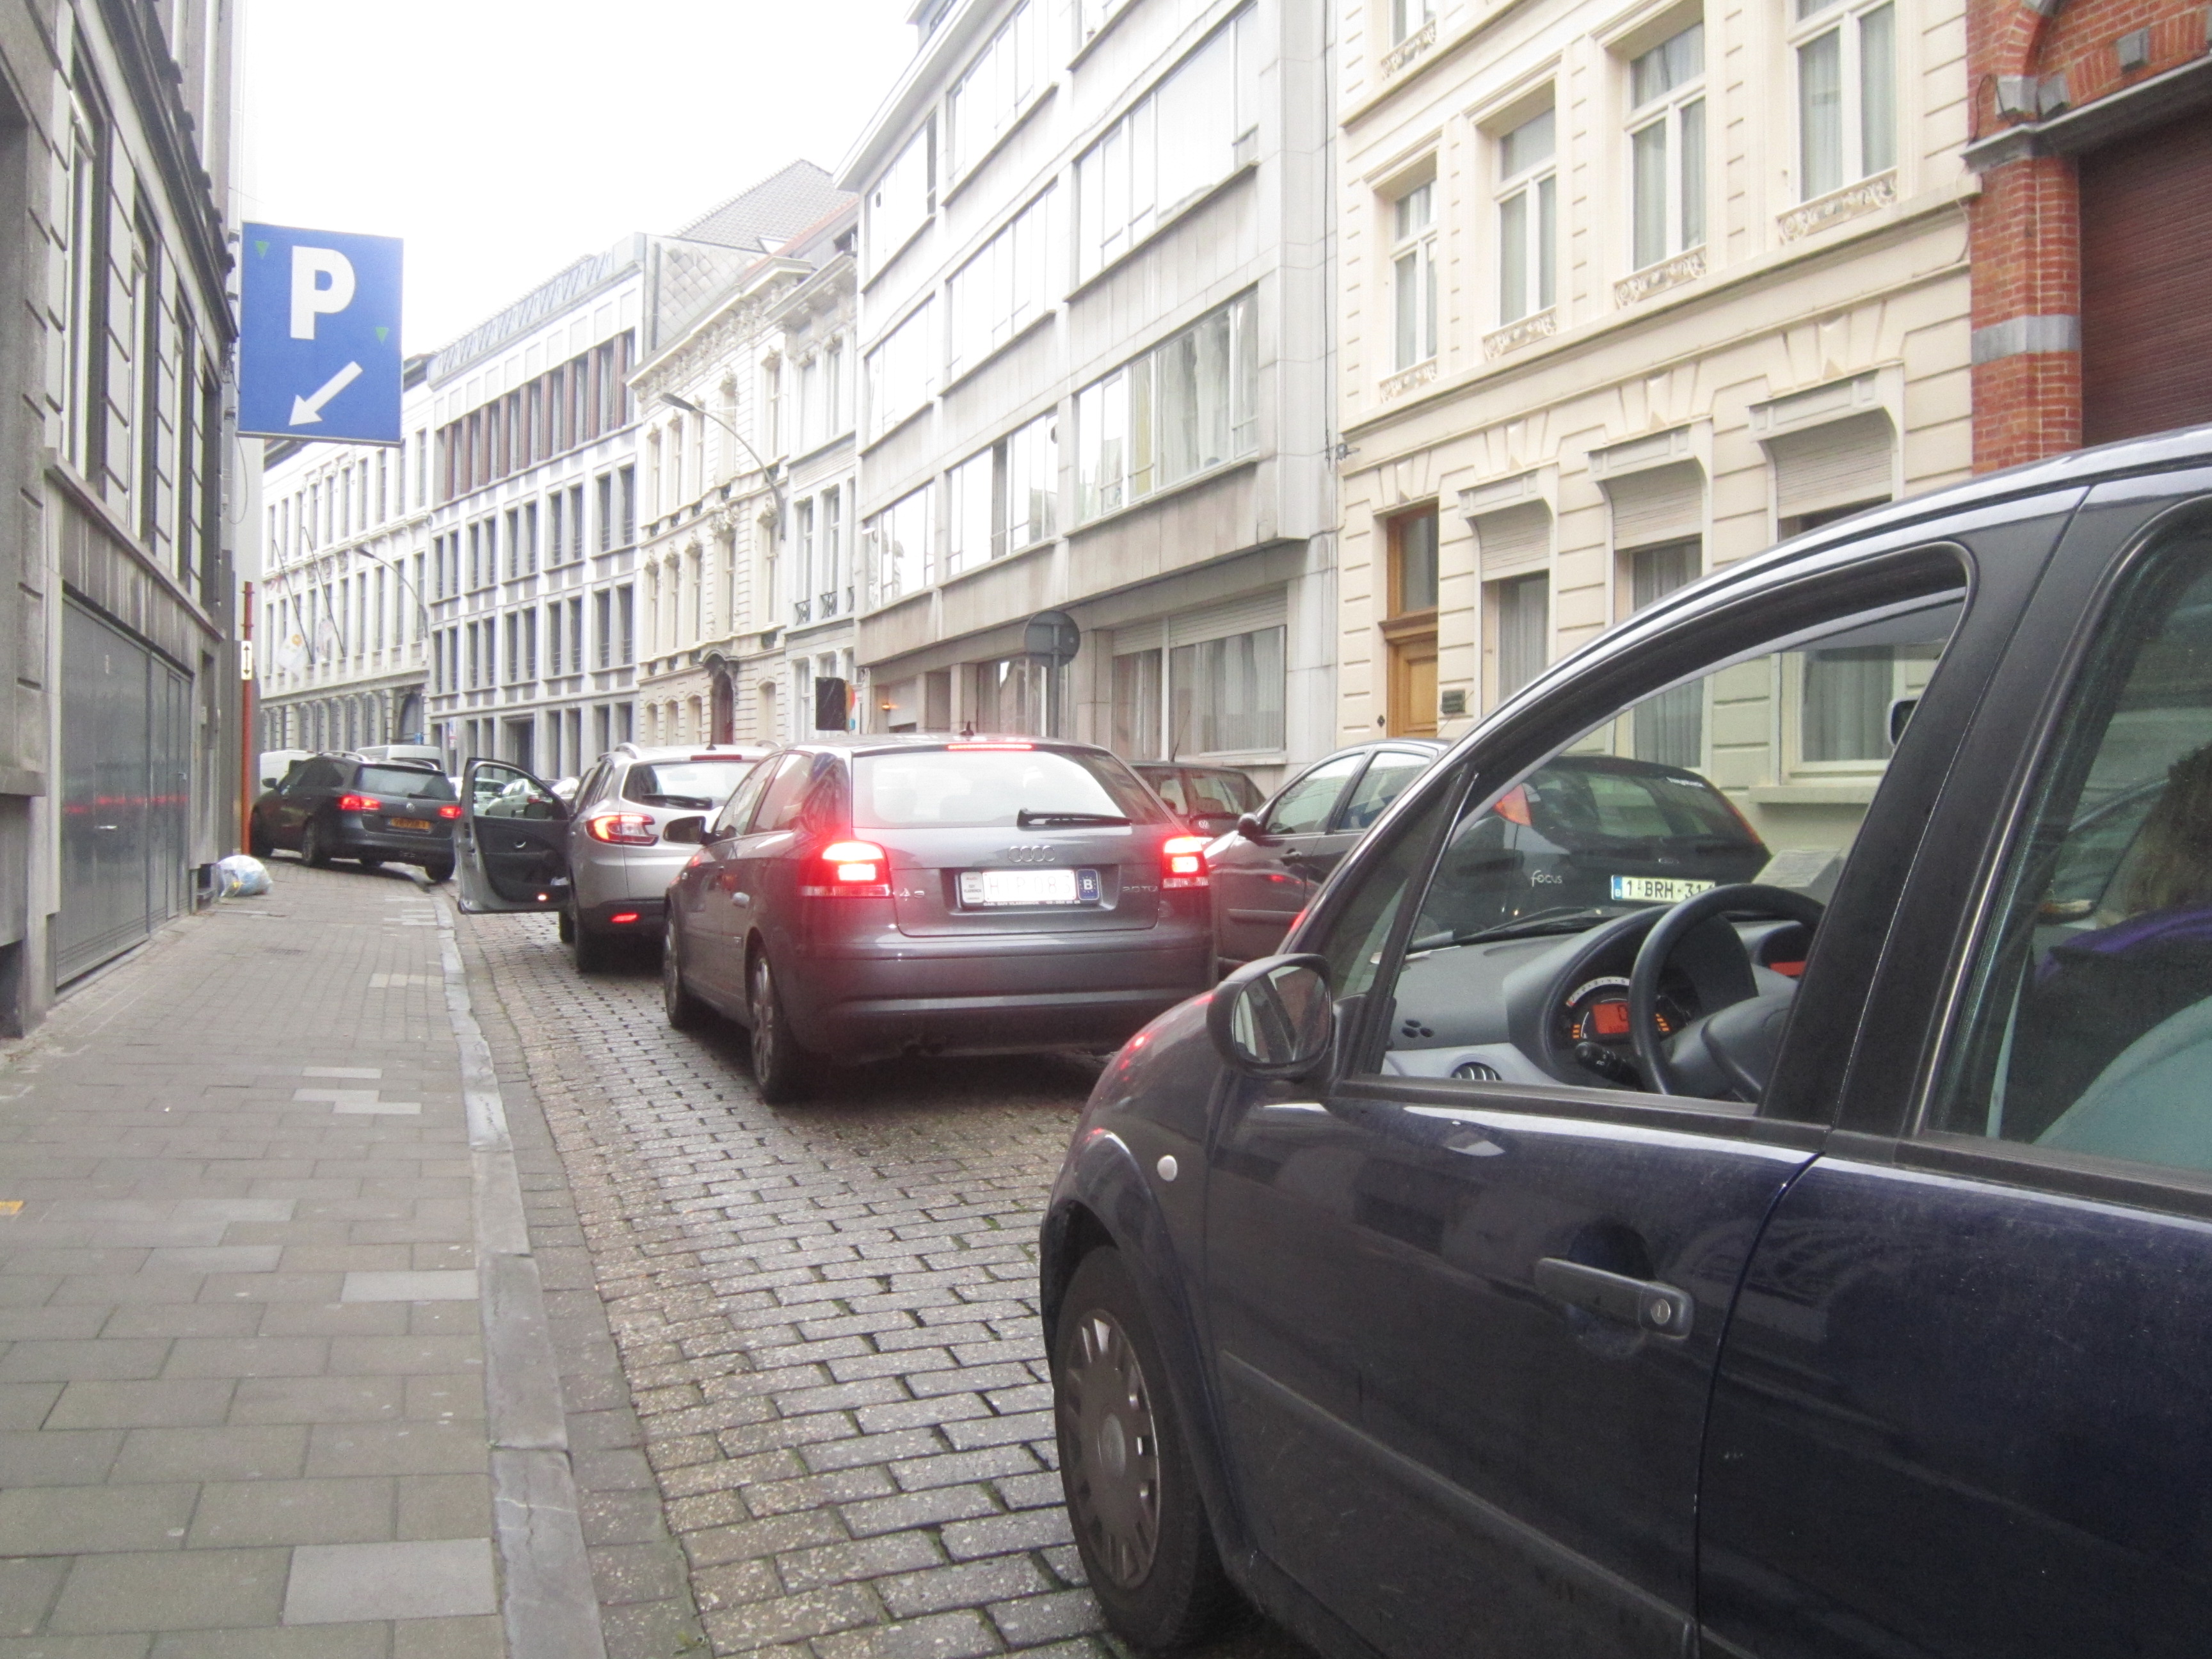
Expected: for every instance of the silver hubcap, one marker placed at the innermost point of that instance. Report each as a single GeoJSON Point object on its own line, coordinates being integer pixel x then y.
{"type": "Point", "coordinates": [1112, 1445]}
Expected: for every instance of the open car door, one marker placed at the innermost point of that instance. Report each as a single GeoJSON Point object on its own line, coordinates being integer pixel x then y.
{"type": "Point", "coordinates": [512, 849]}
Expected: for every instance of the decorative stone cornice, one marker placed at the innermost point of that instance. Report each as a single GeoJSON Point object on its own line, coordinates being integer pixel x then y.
{"type": "Point", "coordinates": [1513, 335]}
{"type": "Point", "coordinates": [1409, 380]}
{"type": "Point", "coordinates": [1653, 279]}
{"type": "Point", "coordinates": [1413, 46]}
{"type": "Point", "coordinates": [1867, 196]}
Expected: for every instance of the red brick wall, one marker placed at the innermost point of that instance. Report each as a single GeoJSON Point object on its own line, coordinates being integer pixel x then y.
{"type": "Point", "coordinates": [2024, 227]}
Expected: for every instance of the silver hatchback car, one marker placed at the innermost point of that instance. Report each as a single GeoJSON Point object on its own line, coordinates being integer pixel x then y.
{"type": "Point", "coordinates": [619, 867]}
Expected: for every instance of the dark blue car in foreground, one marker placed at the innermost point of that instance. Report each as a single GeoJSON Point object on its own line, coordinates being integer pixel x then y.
{"type": "Point", "coordinates": [1815, 1263]}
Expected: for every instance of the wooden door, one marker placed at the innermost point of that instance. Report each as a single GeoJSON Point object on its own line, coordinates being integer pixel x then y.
{"type": "Point", "coordinates": [1413, 687]}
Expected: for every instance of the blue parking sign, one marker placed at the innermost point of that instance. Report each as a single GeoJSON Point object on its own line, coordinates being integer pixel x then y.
{"type": "Point", "coordinates": [318, 337]}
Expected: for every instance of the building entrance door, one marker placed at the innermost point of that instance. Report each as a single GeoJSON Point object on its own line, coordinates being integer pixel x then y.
{"type": "Point", "coordinates": [1412, 712]}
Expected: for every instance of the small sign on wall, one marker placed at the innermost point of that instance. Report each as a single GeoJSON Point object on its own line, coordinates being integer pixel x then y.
{"type": "Point", "coordinates": [1452, 705]}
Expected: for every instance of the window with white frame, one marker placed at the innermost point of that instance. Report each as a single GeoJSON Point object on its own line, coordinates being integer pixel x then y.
{"type": "Point", "coordinates": [1528, 218]}
{"type": "Point", "coordinates": [1092, 16]}
{"type": "Point", "coordinates": [1005, 498]}
{"type": "Point", "coordinates": [1223, 695]}
{"type": "Point", "coordinates": [812, 415]}
{"type": "Point", "coordinates": [830, 595]}
{"type": "Point", "coordinates": [904, 197]}
{"type": "Point", "coordinates": [901, 539]}
{"type": "Point", "coordinates": [836, 388]}
{"type": "Point", "coordinates": [1414, 276]}
{"type": "Point", "coordinates": [1667, 148]}
{"type": "Point", "coordinates": [1187, 404]}
{"type": "Point", "coordinates": [1179, 140]}
{"type": "Point", "coordinates": [998, 86]}
{"type": "Point", "coordinates": [1408, 18]}
{"type": "Point", "coordinates": [900, 379]}
{"type": "Point", "coordinates": [1846, 94]}
{"type": "Point", "coordinates": [1011, 283]}
{"type": "Point", "coordinates": [802, 562]}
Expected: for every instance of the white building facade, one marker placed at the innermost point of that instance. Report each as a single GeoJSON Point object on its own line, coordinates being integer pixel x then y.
{"type": "Point", "coordinates": [1097, 370]}
{"type": "Point", "coordinates": [535, 574]}
{"type": "Point", "coordinates": [341, 620]}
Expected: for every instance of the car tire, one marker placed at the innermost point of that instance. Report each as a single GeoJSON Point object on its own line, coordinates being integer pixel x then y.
{"type": "Point", "coordinates": [686, 1012]}
{"type": "Point", "coordinates": [371, 864]}
{"type": "Point", "coordinates": [312, 849]}
{"type": "Point", "coordinates": [568, 927]}
{"type": "Point", "coordinates": [1140, 1523]}
{"type": "Point", "coordinates": [258, 842]}
{"type": "Point", "coordinates": [442, 871]}
{"type": "Point", "coordinates": [593, 951]}
{"type": "Point", "coordinates": [781, 1069]}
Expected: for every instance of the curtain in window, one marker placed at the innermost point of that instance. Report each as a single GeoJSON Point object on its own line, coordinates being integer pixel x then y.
{"type": "Point", "coordinates": [1821, 112]}
{"type": "Point", "coordinates": [1847, 695]}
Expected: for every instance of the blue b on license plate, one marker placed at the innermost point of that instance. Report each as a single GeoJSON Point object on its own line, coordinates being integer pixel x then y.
{"type": "Point", "coordinates": [980, 889]}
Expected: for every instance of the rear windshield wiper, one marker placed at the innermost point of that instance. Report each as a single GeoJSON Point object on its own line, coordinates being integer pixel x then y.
{"type": "Point", "coordinates": [1562, 918]}
{"type": "Point", "coordinates": [1026, 818]}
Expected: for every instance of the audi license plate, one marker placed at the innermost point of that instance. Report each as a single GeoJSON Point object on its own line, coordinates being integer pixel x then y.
{"type": "Point", "coordinates": [982, 888]}
{"type": "Point", "coordinates": [411, 824]}
{"type": "Point", "coordinates": [1658, 889]}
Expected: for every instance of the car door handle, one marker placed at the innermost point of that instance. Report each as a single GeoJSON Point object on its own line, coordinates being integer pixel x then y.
{"type": "Point", "coordinates": [1645, 1303]}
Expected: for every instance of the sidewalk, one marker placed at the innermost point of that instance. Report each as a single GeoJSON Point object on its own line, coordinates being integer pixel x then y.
{"type": "Point", "coordinates": [269, 1265]}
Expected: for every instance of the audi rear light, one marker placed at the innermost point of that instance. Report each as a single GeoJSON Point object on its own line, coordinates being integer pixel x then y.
{"type": "Point", "coordinates": [1182, 862]}
{"type": "Point", "coordinates": [450, 809]}
{"type": "Point", "coordinates": [851, 869]}
{"type": "Point", "coordinates": [360, 804]}
{"type": "Point", "coordinates": [622, 828]}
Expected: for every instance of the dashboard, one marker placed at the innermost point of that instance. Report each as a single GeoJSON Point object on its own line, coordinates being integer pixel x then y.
{"type": "Point", "coordinates": [1514, 1010]}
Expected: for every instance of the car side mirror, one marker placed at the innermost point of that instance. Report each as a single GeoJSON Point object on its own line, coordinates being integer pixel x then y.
{"type": "Point", "coordinates": [686, 832]}
{"type": "Point", "coordinates": [1273, 1018]}
{"type": "Point", "coordinates": [1252, 830]}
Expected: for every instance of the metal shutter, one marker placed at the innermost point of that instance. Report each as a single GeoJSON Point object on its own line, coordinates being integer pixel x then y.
{"type": "Point", "coordinates": [1842, 464]}
{"type": "Point", "coordinates": [1666, 504]}
{"type": "Point", "coordinates": [2145, 331]}
{"type": "Point", "coordinates": [1513, 539]}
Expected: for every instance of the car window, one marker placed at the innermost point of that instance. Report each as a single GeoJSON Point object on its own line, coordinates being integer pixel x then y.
{"type": "Point", "coordinates": [698, 786]}
{"type": "Point", "coordinates": [785, 796]}
{"type": "Point", "coordinates": [1762, 768]}
{"type": "Point", "coordinates": [1387, 775]}
{"type": "Point", "coordinates": [1227, 792]}
{"type": "Point", "coordinates": [1303, 808]}
{"type": "Point", "coordinates": [1169, 787]}
{"type": "Point", "coordinates": [423, 785]}
{"type": "Point", "coordinates": [738, 810]}
{"type": "Point", "coordinates": [2089, 1028]}
{"type": "Point", "coordinates": [993, 785]}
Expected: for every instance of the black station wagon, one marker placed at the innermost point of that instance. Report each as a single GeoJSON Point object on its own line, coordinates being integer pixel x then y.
{"type": "Point", "coordinates": [1811, 1260]}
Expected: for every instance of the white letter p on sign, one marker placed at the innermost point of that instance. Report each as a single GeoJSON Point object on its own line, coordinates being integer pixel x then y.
{"type": "Point", "coordinates": [310, 295]}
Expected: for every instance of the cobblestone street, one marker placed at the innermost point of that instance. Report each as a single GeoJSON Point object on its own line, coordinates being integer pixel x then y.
{"type": "Point", "coordinates": [827, 1316]}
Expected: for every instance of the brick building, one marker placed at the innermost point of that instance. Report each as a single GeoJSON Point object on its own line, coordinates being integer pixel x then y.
{"type": "Point", "coordinates": [2092, 135]}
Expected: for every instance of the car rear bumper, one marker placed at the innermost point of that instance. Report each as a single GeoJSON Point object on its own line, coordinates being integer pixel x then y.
{"type": "Point", "coordinates": [646, 916]}
{"type": "Point", "coordinates": [355, 839]}
{"type": "Point", "coordinates": [1004, 1000]}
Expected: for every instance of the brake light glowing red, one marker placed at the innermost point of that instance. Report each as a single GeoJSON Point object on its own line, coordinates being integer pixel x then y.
{"type": "Point", "coordinates": [857, 869]}
{"type": "Point", "coordinates": [622, 828]}
{"type": "Point", "coordinates": [450, 809]}
{"type": "Point", "coordinates": [360, 804]}
{"type": "Point", "coordinates": [1182, 862]}
{"type": "Point", "coordinates": [623, 917]}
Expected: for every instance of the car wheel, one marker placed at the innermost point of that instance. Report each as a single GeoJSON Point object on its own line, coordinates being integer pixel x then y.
{"type": "Point", "coordinates": [371, 864]}
{"type": "Point", "coordinates": [1125, 1468]}
{"type": "Point", "coordinates": [592, 951]}
{"type": "Point", "coordinates": [686, 1012]}
{"type": "Point", "coordinates": [442, 871]}
{"type": "Point", "coordinates": [780, 1071]}
{"type": "Point", "coordinates": [568, 925]}
{"type": "Point", "coordinates": [312, 850]}
{"type": "Point", "coordinates": [258, 842]}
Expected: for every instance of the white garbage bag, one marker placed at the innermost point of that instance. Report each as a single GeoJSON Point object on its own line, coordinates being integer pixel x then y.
{"type": "Point", "coordinates": [241, 877]}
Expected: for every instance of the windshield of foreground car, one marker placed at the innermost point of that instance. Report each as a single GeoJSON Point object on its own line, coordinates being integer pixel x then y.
{"type": "Point", "coordinates": [1012, 788]}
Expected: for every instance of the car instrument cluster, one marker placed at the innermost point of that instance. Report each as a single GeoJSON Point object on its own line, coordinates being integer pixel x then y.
{"type": "Point", "coordinates": [1598, 1011]}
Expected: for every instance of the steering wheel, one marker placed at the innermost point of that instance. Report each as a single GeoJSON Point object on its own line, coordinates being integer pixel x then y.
{"type": "Point", "coordinates": [1741, 1035]}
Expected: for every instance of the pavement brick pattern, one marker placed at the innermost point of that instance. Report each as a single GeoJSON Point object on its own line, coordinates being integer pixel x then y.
{"type": "Point", "coordinates": [242, 1404]}
{"type": "Point", "coordinates": [827, 1315]}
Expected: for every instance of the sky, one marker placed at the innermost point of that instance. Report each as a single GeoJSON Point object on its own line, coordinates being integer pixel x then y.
{"type": "Point", "coordinates": [504, 139]}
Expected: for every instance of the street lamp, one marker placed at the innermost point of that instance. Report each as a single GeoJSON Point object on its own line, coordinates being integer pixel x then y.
{"type": "Point", "coordinates": [776, 489]}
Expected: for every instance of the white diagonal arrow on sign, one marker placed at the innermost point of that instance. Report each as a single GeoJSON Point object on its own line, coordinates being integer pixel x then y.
{"type": "Point", "coordinates": [308, 411]}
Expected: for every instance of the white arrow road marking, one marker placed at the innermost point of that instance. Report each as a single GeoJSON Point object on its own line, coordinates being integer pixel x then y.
{"type": "Point", "coordinates": [308, 411]}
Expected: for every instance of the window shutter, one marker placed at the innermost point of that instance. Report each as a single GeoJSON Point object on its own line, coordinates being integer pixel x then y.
{"type": "Point", "coordinates": [1666, 504]}
{"type": "Point", "coordinates": [1513, 539]}
{"type": "Point", "coordinates": [1842, 464]}
{"type": "Point", "coordinates": [1243, 616]}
